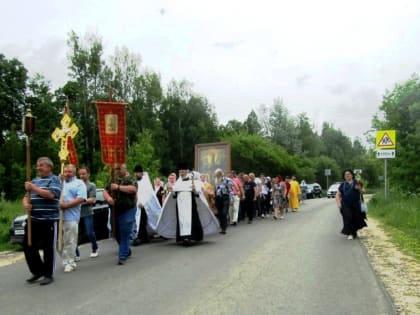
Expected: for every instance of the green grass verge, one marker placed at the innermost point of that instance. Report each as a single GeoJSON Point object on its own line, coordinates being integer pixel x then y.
{"type": "Point", "coordinates": [8, 211]}
{"type": "Point", "coordinates": [400, 215]}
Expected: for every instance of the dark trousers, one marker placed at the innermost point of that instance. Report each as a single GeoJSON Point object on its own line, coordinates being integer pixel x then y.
{"type": "Point", "coordinates": [143, 235]}
{"type": "Point", "coordinates": [196, 228]}
{"type": "Point", "coordinates": [241, 213]}
{"type": "Point", "coordinates": [90, 232]}
{"type": "Point", "coordinates": [43, 238]}
{"type": "Point", "coordinates": [124, 227]}
{"type": "Point", "coordinates": [222, 205]}
{"type": "Point", "coordinates": [249, 208]}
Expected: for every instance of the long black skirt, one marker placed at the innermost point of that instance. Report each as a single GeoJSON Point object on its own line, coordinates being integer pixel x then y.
{"type": "Point", "coordinates": [353, 220]}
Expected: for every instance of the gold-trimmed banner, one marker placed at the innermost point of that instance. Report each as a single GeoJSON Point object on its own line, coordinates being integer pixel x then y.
{"type": "Point", "coordinates": [111, 124]}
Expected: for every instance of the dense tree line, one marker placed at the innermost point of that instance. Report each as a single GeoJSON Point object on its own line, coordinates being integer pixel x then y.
{"type": "Point", "coordinates": [165, 123]}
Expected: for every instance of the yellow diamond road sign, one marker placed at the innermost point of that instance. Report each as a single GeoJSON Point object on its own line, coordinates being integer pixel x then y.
{"type": "Point", "coordinates": [385, 139]}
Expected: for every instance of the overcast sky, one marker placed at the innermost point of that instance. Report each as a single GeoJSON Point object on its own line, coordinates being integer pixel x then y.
{"type": "Point", "coordinates": [332, 59]}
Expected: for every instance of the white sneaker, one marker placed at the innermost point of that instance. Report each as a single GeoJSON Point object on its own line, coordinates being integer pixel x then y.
{"type": "Point", "coordinates": [68, 268]}
{"type": "Point", "coordinates": [77, 258]}
{"type": "Point", "coordinates": [350, 237]}
{"type": "Point", "coordinates": [282, 217]}
{"type": "Point", "coordinates": [94, 254]}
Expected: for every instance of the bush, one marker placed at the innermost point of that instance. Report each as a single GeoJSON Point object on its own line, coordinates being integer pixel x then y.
{"type": "Point", "coordinates": [8, 211]}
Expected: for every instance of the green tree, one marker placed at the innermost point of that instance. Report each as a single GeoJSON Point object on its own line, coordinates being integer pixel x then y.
{"type": "Point", "coordinates": [232, 127]}
{"type": "Point", "coordinates": [13, 76]}
{"type": "Point", "coordinates": [252, 124]}
{"type": "Point", "coordinates": [283, 130]}
{"type": "Point", "coordinates": [400, 111]}
{"type": "Point", "coordinates": [310, 140]}
{"type": "Point", "coordinates": [337, 146]}
{"type": "Point", "coordinates": [12, 158]}
{"type": "Point", "coordinates": [253, 153]}
{"type": "Point", "coordinates": [86, 69]}
{"type": "Point", "coordinates": [187, 119]}
{"type": "Point", "coordinates": [143, 152]}
{"type": "Point", "coordinates": [47, 113]}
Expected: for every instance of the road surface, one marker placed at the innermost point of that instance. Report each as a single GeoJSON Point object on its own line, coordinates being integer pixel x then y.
{"type": "Point", "coordinates": [300, 265]}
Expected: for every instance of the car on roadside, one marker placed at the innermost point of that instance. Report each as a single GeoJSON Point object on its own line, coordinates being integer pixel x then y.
{"type": "Point", "coordinates": [313, 190]}
{"type": "Point", "coordinates": [332, 190]}
{"type": "Point", "coordinates": [101, 222]}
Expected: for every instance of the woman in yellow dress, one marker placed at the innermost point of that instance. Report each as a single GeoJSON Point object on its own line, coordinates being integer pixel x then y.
{"type": "Point", "coordinates": [294, 194]}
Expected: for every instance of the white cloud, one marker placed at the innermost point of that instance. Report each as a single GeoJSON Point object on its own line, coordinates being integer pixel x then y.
{"type": "Point", "coordinates": [321, 57]}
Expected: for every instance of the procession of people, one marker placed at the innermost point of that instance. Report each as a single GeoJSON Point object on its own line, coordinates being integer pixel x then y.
{"type": "Point", "coordinates": [186, 208]}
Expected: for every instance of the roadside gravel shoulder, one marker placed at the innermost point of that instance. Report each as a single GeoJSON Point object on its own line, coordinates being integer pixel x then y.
{"type": "Point", "coordinates": [399, 273]}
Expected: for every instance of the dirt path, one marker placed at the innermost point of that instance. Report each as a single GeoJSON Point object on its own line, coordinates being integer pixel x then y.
{"type": "Point", "coordinates": [399, 273]}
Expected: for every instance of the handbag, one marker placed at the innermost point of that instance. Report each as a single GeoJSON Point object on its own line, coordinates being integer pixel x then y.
{"type": "Point", "coordinates": [363, 206]}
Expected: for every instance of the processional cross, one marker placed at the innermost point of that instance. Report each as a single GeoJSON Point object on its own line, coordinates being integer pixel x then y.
{"type": "Point", "coordinates": [62, 135]}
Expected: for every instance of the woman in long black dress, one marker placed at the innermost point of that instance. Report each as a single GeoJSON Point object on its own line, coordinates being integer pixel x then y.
{"type": "Point", "coordinates": [348, 199]}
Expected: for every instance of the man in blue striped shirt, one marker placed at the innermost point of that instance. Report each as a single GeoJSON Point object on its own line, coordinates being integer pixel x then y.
{"type": "Point", "coordinates": [42, 204]}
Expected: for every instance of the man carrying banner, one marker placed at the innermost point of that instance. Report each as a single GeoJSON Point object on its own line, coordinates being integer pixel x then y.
{"type": "Point", "coordinates": [186, 215]}
{"type": "Point", "coordinates": [122, 195]}
{"type": "Point", "coordinates": [148, 207]}
{"type": "Point", "coordinates": [42, 203]}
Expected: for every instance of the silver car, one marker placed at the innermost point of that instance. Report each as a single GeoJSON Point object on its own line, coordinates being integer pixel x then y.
{"type": "Point", "coordinates": [332, 191]}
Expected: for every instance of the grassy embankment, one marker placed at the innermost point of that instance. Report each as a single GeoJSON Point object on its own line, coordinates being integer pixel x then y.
{"type": "Point", "coordinates": [400, 216]}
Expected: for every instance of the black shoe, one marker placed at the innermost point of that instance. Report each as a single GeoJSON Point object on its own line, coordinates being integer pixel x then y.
{"type": "Point", "coordinates": [46, 281]}
{"type": "Point", "coordinates": [121, 262]}
{"type": "Point", "coordinates": [33, 278]}
{"type": "Point", "coordinates": [222, 232]}
{"type": "Point", "coordinates": [186, 242]}
{"type": "Point", "coordinates": [250, 221]}
{"type": "Point", "coordinates": [136, 242]}
{"type": "Point", "coordinates": [234, 223]}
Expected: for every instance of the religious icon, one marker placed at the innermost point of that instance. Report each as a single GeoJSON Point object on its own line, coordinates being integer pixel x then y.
{"type": "Point", "coordinates": [211, 156]}
{"type": "Point", "coordinates": [111, 124]}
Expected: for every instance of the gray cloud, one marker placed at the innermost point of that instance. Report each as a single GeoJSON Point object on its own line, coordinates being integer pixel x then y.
{"type": "Point", "coordinates": [49, 59]}
{"type": "Point", "coordinates": [303, 80]}
{"type": "Point", "coordinates": [337, 89]}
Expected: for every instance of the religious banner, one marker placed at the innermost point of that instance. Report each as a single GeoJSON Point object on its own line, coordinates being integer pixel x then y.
{"type": "Point", "coordinates": [111, 124]}
{"type": "Point", "coordinates": [73, 159]}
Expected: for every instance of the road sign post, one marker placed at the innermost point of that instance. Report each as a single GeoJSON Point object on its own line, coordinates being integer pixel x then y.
{"type": "Point", "coordinates": [385, 149]}
{"type": "Point", "coordinates": [327, 173]}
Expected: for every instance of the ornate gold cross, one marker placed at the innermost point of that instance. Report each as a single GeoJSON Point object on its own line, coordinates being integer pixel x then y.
{"type": "Point", "coordinates": [62, 134]}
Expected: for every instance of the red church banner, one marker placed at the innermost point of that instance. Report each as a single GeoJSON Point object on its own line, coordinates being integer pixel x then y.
{"type": "Point", "coordinates": [111, 123]}
{"type": "Point", "coordinates": [72, 152]}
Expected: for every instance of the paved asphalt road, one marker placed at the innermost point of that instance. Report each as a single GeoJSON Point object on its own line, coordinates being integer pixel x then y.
{"type": "Point", "coordinates": [301, 265]}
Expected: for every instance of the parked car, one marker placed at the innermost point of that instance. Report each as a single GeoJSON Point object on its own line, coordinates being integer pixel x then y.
{"type": "Point", "coordinates": [303, 191]}
{"type": "Point", "coordinates": [332, 191]}
{"type": "Point", "coordinates": [313, 190]}
{"type": "Point", "coordinates": [101, 215]}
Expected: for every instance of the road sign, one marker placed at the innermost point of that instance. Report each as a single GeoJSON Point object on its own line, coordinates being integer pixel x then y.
{"type": "Point", "coordinates": [385, 139]}
{"type": "Point", "coordinates": [385, 154]}
{"type": "Point", "coordinates": [327, 172]}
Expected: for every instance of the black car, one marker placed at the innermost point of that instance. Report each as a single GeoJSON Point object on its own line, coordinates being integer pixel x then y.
{"type": "Point", "coordinates": [313, 190]}
{"type": "Point", "coordinates": [101, 219]}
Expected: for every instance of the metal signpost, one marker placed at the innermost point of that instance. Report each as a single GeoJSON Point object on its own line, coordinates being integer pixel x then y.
{"type": "Point", "coordinates": [327, 173]}
{"type": "Point", "coordinates": [385, 149]}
